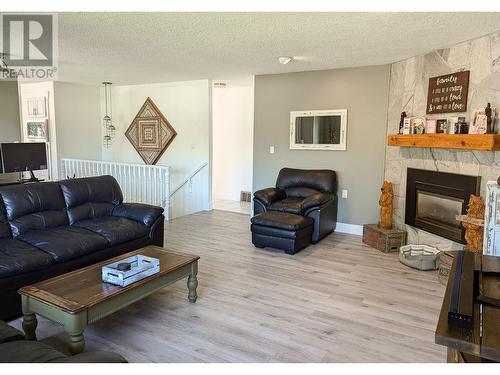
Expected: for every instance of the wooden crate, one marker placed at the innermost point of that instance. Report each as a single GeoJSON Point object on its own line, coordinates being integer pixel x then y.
{"type": "Point", "coordinates": [385, 240]}
{"type": "Point", "coordinates": [444, 266]}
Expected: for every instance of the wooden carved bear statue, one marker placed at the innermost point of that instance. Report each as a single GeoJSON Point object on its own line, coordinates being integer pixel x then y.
{"type": "Point", "coordinates": [385, 203]}
{"type": "Point", "coordinates": [474, 232]}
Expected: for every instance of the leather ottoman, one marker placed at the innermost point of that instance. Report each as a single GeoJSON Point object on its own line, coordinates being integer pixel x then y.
{"type": "Point", "coordinates": [281, 230]}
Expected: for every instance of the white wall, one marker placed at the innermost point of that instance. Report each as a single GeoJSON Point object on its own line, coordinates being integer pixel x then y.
{"type": "Point", "coordinates": [74, 113]}
{"type": "Point", "coordinates": [35, 90]}
{"type": "Point", "coordinates": [233, 108]}
{"type": "Point", "coordinates": [78, 121]}
{"type": "Point", "coordinates": [186, 105]}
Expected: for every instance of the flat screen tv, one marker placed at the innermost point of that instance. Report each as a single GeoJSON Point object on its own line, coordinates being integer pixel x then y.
{"type": "Point", "coordinates": [20, 157]}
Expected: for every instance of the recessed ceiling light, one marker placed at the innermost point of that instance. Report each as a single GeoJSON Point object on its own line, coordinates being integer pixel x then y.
{"type": "Point", "coordinates": [284, 59]}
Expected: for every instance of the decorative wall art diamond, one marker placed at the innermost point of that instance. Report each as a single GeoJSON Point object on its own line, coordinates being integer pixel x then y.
{"type": "Point", "coordinates": [150, 132]}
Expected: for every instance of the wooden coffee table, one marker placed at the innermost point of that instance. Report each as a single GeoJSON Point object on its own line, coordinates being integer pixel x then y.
{"type": "Point", "coordinates": [79, 298]}
{"type": "Point", "coordinates": [481, 343]}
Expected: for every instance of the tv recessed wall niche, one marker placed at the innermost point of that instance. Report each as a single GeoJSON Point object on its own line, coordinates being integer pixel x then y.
{"type": "Point", "coordinates": [318, 130]}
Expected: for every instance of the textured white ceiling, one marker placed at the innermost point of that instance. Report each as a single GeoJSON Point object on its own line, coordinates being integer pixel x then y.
{"type": "Point", "coordinates": [132, 48]}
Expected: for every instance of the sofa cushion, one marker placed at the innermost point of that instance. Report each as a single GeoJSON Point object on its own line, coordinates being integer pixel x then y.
{"type": "Point", "coordinates": [142, 213]}
{"type": "Point", "coordinates": [281, 220]}
{"type": "Point", "coordinates": [115, 229]}
{"type": "Point", "coordinates": [90, 198]}
{"type": "Point", "coordinates": [269, 195]}
{"type": "Point", "coordinates": [300, 192]}
{"type": "Point", "coordinates": [5, 230]}
{"type": "Point", "coordinates": [24, 351]}
{"type": "Point", "coordinates": [18, 257]}
{"type": "Point", "coordinates": [8, 333]}
{"type": "Point", "coordinates": [289, 205]}
{"type": "Point", "coordinates": [33, 206]}
{"type": "Point", "coordinates": [4, 225]}
{"type": "Point", "coordinates": [317, 200]}
{"type": "Point", "coordinates": [322, 180]}
{"type": "Point", "coordinates": [65, 243]}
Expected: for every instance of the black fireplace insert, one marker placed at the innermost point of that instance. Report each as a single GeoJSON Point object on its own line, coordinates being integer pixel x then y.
{"type": "Point", "coordinates": [433, 199]}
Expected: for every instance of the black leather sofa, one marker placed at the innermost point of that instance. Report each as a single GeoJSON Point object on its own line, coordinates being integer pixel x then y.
{"type": "Point", "coordinates": [50, 228]}
{"type": "Point", "coordinates": [304, 192]}
{"type": "Point", "coordinates": [15, 349]}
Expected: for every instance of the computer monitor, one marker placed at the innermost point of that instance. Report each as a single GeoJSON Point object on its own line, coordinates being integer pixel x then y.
{"type": "Point", "coordinates": [20, 157]}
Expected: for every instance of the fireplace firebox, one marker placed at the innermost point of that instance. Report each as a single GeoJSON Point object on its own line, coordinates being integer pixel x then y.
{"type": "Point", "coordinates": [433, 199]}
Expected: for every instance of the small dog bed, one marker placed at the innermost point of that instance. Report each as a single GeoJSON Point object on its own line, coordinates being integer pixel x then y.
{"type": "Point", "coordinates": [420, 257]}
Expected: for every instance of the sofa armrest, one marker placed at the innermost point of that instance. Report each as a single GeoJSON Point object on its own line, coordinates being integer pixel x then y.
{"type": "Point", "coordinates": [316, 200]}
{"type": "Point", "coordinates": [8, 333]}
{"type": "Point", "coordinates": [143, 213]}
{"type": "Point", "coordinates": [269, 196]}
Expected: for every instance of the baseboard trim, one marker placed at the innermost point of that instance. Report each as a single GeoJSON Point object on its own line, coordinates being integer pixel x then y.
{"type": "Point", "coordinates": [349, 228]}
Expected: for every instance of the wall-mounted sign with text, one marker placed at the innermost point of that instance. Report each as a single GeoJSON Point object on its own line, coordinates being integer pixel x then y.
{"type": "Point", "coordinates": [448, 93]}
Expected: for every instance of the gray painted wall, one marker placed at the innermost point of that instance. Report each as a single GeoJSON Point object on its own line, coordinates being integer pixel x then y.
{"type": "Point", "coordinates": [364, 93]}
{"type": "Point", "coordinates": [10, 125]}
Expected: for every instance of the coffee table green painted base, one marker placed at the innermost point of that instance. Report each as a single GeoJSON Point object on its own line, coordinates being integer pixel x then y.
{"type": "Point", "coordinates": [75, 323]}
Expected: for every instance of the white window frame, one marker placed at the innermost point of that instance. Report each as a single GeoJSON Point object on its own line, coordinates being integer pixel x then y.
{"type": "Point", "coordinates": [342, 146]}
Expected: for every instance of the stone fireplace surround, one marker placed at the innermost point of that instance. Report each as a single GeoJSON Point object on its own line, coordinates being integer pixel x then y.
{"type": "Point", "coordinates": [408, 92]}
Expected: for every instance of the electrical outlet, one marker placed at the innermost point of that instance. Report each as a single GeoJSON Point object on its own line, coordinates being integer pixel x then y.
{"type": "Point", "coordinates": [344, 193]}
{"type": "Point", "coordinates": [271, 149]}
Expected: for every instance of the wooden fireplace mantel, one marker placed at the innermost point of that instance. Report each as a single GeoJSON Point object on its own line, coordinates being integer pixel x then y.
{"type": "Point", "coordinates": [481, 142]}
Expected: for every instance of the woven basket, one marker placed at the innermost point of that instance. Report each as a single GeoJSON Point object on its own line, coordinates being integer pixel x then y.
{"type": "Point", "coordinates": [445, 261]}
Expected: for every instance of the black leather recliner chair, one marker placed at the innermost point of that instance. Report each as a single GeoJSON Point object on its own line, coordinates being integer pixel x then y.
{"type": "Point", "coordinates": [309, 193]}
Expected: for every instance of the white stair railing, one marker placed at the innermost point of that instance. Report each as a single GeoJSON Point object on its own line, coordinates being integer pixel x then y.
{"type": "Point", "coordinates": [189, 179]}
{"type": "Point", "coordinates": [191, 195]}
{"type": "Point", "coordinates": [140, 183]}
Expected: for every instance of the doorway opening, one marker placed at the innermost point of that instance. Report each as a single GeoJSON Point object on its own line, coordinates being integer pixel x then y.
{"type": "Point", "coordinates": [232, 144]}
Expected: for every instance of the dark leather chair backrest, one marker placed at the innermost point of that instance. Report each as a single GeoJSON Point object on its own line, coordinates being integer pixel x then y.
{"type": "Point", "coordinates": [91, 197]}
{"type": "Point", "coordinates": [304, 182]}
{"type": "Point", "coordinates": [4, 225]}
{"type": "Point", "coordinates": [33, 206]}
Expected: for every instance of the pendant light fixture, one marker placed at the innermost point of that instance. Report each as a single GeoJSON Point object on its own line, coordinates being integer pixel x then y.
{"type": "Point", "coordinates": [109, 128]}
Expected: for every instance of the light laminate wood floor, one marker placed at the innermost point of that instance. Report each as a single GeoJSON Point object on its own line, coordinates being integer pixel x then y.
{"type": "Point", "coordinates": [337, 301]}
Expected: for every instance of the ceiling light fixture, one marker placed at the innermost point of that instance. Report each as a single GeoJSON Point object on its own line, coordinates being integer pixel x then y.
{"type": "Point", "coordinates": [284, 59]}
{"type": "Point", "coordinates": [109, 128]}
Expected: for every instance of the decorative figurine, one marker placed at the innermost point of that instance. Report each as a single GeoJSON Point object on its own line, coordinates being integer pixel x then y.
{"type": "Point", "coordinates": [402, 122]}
{"type": "Point", "coordinates": [461, 127]}
{"type": "Point", "coordinates": [489, 119]}
{"type": "Point", "coordinates": [385, 203]}
{"type": "Point", "coordinates": [474, 223]}
{"type": "Point", "coordinates": [419, 129]}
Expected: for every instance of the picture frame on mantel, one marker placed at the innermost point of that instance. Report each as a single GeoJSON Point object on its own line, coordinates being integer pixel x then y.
{"type": "Point", "coordinates": [448, 93]}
